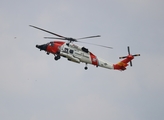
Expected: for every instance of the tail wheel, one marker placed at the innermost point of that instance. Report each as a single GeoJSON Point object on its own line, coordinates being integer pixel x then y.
{"type": "Point", "coordinates": [86, 67]}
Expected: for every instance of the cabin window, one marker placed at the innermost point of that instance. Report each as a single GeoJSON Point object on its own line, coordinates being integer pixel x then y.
{"type": "Point", "coordinates": [67, 44]}
{"type": "Point", "coordinates": [52, 44]}
{"type": "Point", "coordinates": [71, 51]}
{"type": "Point", "coordinates": [85, 49]}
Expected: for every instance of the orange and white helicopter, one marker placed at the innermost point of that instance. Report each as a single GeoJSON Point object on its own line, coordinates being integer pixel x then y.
{"type": "Point", "coordinates": [79, 54]}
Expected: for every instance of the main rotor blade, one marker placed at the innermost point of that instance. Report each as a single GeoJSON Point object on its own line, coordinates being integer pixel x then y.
{"type": "Point", "coordinates": [47, 31]}
{"type": "Point", "coordinates": [55, 38]}
{"type": "Point", "coordinates": [88, 37]}
{"type": "Point", "coordinates": [72, 39]}
{"type": "Point", "coordinates": [96, 44]}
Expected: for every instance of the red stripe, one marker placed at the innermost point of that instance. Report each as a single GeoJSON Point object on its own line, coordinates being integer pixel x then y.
{"type": "Point", "coordinates": [94, 59]}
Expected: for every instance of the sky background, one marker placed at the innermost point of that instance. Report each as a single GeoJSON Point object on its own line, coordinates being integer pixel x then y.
{"type": "Point", "coordinates": [35, 87]}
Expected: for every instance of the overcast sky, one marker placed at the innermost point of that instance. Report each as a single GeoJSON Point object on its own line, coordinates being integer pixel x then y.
{"type": "Point", "coordinates": [33, 86]}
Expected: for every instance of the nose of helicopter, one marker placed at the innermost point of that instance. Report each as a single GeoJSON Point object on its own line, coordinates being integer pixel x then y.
{"type": "Point", "coordinates": [42, 47]}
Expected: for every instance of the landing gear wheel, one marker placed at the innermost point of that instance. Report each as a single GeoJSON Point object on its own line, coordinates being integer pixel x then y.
{"type": "Point", "coordinates": [57, 57]}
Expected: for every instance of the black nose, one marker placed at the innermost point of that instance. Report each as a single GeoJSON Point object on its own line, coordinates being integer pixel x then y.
{"type": "Point", "coordinates": [42, 47]}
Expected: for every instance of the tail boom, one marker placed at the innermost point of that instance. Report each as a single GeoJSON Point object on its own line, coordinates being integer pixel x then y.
{"type": "Point", "coordinates": [124, 63]}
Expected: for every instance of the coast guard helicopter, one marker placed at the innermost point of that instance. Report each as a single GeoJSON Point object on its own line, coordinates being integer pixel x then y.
{"type": "Point", "coordinates": [79, 54]}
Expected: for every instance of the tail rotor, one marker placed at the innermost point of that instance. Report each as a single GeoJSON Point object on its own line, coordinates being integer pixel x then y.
{"type": "Point", "coordinates": [129, 55]}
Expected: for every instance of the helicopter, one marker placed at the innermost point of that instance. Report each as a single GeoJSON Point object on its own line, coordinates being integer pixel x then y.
{"type": "Point", "coordinates": [78, 54]}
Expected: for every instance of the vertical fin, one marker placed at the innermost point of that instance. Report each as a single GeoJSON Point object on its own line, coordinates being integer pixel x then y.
{"type": "Point", "coordinates": [124, 63]}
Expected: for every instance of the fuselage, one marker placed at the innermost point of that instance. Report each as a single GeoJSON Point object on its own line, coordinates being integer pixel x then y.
{"type": "Point", "coordinates": [74, 53]}
{"type": "Point", "coordinates": [79, 54]}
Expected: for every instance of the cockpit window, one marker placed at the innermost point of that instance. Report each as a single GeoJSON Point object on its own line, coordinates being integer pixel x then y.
{"type": "Point", "coordinates": [52, 44]}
